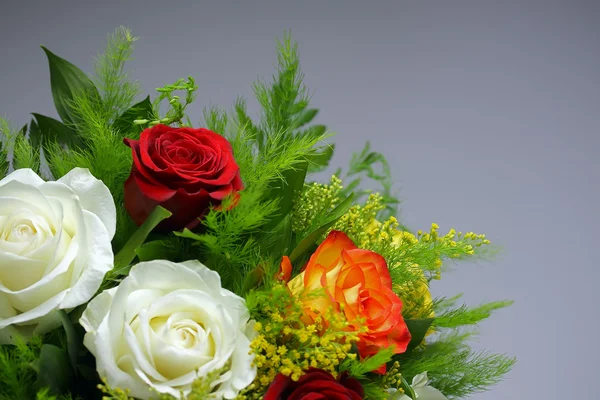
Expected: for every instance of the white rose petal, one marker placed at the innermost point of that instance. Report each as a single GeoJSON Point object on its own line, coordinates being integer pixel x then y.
{"type": "Point", "coordinates": [166, 325]}
{"type": "Point", "coordinates": [55, 247]}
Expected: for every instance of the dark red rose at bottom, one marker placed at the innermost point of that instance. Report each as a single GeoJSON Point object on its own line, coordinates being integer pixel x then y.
{"type": "Point", "coordinates": [316, 384]}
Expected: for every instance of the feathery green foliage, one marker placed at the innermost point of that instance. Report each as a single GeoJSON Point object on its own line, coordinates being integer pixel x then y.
{"type": "Point", "coordinates": [283, 100]}
{"type": "Point", "coordinates": [105, 155]}
{"type": "Point", "coordinates": [6, 137]}
{"type": "Point", "coordinates": [360, 368]}
{"type": "Point", "coordinates": [17, 375]}
{"type": "Point", "coordinates": [117, 90]}
{"type": "Point", "coordinates": [25, 155]}
{"type": "Point", "coordinates": [235, 240]}
{"type": "Point", "coordinates": [103, 152]}
{"type": "Point", "coordinates": [374, 166]}
{"type": "Point", "coordinates": [455, 369]}
{"type": "Point", "coordinates": [463, 316]}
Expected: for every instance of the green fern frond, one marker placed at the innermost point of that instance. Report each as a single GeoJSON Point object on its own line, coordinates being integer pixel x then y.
{"type": "Point", "coordinates": [118, 92]}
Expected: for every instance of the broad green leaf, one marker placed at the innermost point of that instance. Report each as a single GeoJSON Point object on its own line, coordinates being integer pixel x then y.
{"type": "Point", "coordinates": [280, 239]}
{"type": "Point", "coordinates": [73, 342]}
{"type": "Point", "coordinates": [305, 117]}
{"type": "Point", "coordinates": [319, 161]}
{"type": "Point", "coordinates": [286, 189]}
{"type": "Point", "coordinates": [330, 220]}
{"type": "Point", "coordinates": [127, 253]}
{"type": "Point", "coordinates": [253, 279]}
{"type": "Point", "coordinates": [157, 249]}
{"type": "Point", "coordinates": [67, 81]}
{"type": "Point", "coordinates": [23, 130]}
{"type": "Point", "coordinates": [418, 329]}
{"type": "Point", "coordinates": [54, 370]}
{"type": "Point", "coordinates": [141, 110]}
{"type": "Point", "coordinates": [44, 130]}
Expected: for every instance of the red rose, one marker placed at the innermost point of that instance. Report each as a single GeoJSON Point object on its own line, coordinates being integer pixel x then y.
{"type": "Point", "coordinates": [184, 170]}
{"type": "Point", "coordinates": [316, 384]}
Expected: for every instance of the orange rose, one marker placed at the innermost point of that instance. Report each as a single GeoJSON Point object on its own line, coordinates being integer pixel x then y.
{"type": "Point", "coordinates": [354, 282]}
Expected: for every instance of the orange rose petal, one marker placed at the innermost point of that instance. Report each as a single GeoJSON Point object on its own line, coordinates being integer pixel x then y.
{"type": "Point", "coordinates": [329, 252]}
{"type": "Point", "coordinates": [357, 256]}
{"type": "Point", "coordinates": [351, 276]}
{"type": "Point", "coordinates": [372, 278]}
{"type": "Point", "coordinates": [350, 298]}
{"type": "Point", "coordinates": [376, 311]}
{"type": "Point", "coordinates": [316, 294]}
{"type": "Point", "coordinates": [331, 278]}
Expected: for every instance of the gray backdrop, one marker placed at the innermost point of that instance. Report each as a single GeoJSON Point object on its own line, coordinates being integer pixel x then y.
{"type": "Point", "coordinates": [487, 110]}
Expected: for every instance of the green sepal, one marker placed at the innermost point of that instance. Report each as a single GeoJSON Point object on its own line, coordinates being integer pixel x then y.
{"type": "Point", "coordinates": [67, 81]}
{"type": "Point", "coordinates": [331, 218]}
{"type": "Point", "coordinates": [45, 130]}
{"type": "Point", "coordinates": [53, 370]}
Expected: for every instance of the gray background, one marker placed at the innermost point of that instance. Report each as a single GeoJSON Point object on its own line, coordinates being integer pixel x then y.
{"type": "Point", "coordinates": [488, 113]}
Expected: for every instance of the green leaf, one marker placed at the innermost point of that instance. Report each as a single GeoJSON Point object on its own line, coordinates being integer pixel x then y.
{"type": "Point", "coordinates": [73, 342]}
{"type": "Point", "coordinates": [305, 117]}
{"type": "Point", "coordinates": [67, 81]}
{"type": "Point", "coordinates": [418, 329]}
{"type": "Point", "coordinates": [319, 161]}
{"type": "Point", "coordinates": [141, 110]}
{"type": "Point", "coordinates": [23, 130]}
{"type": "Point", "coordinates": [54, 371]}
{"type": "Point", "coordinates": [282, 235]}
{"type": "Point", "coordinates": [253, 279]}
{"type": "Point", "coordinates": [157, 249]}
{"type": "Point", "coordinates": [128, 252]}
{"type": "Point", "coordinates": [286, 189]}
{"type": "Point", "coordinates": [45, 130]}
{"type": "Point", "coordinates": [330, 220]}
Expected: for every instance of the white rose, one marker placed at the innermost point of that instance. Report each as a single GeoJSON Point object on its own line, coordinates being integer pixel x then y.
{"type": "Point", "coordinates": [421, 389]}
{"type": "Point", "coordinates": [166, 325]}
{"type": "Point", "coordinates": [55, 247]}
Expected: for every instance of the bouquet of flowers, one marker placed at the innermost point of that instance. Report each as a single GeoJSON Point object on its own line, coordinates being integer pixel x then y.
{"type": "Point", "coordinates": [144, 257]}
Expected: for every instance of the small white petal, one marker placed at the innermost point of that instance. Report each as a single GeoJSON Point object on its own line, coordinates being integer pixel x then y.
{"type": "Point", "coordinates": [107, 366]}
{"type": "Point", "coordinates": [420, 380]}
{"type": "Point", "coordinates": [32, 316]}
{"type": "Point", "coordinates": [96, 310]}
{"type": "Point", "coordinates": [95, 261]}
{"type": "Point", "coordinates": [93, 195]}
{"type": "Point", "coordinates": [24, 175]}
